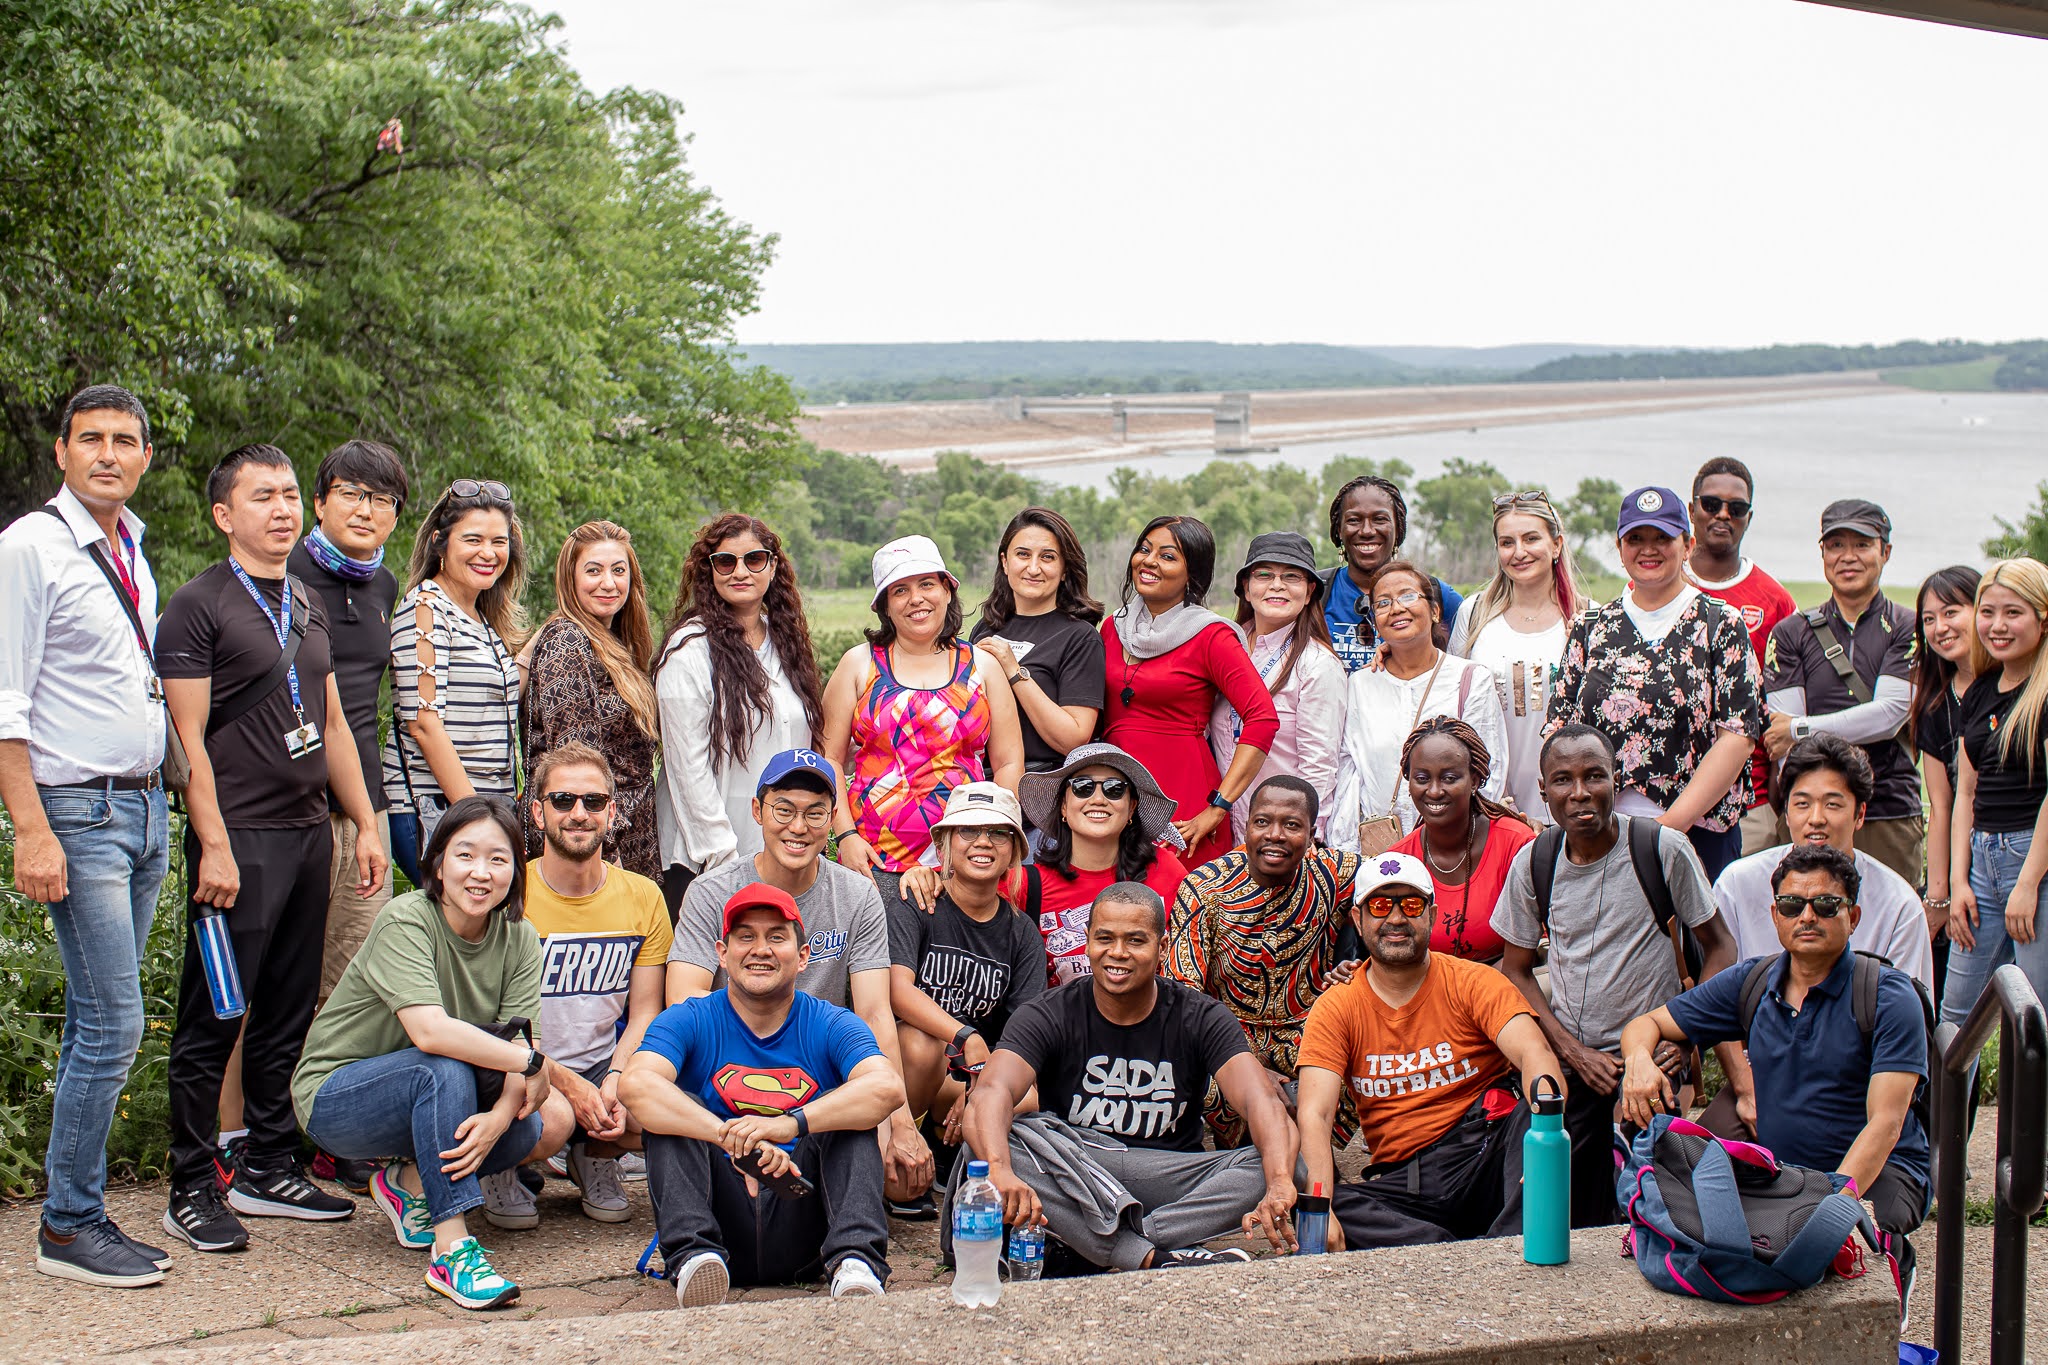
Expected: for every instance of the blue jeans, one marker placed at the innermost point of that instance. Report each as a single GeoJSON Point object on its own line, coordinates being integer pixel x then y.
{"type": "Point", "coordinates": [116, 851]}
{"type": "Point", "coordinates": [408, 1104]}
{"type": "Point", "coordinates": [1995, 861]}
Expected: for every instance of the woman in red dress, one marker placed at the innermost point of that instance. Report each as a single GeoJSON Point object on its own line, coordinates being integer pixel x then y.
{"type": "Point", "coordinates": [1167, 657]}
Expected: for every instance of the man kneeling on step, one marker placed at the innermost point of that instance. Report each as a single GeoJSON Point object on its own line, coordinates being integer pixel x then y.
{"type": "Point", "coordinates": [759, 1105]}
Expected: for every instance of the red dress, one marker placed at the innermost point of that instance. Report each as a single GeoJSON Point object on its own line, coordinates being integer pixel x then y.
{"type": "Point", "coordinates": [1165, 725]}
{"type": "Point", "coordinates": [1464, 911]}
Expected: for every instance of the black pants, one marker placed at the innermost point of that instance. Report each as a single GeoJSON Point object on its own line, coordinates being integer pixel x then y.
{"type": "Point", "coordinates": [701, 1204]}
{"type": "Point", "coordinates": [1589, 1122]}
{"type": "Point", "coordinates": [1468, 1183]}
{"type": "Point", "coordinates": [279, 927]}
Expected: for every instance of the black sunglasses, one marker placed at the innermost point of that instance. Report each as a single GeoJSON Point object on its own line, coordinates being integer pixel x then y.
{"type": "Point", "coordinates": [1827, 907]}
{"type": "Point", "coordinates": [1113, 788]}
{"type": "Point", "coordinates": [592, 801]}
{"type": "Point", "coordinates": [480, 488]}
{"type": "Point", "coordinates": [726, 562]}
{"type": "Point", "coordinates": [1738, 508]}
{"type": "Point", "coordinates": [1379, 907]}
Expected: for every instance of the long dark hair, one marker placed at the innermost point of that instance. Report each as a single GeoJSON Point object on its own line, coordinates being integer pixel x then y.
{"type": "Point", "coordinates": [883, 633]}
{"type": "Point", "coordinates": [1073, 600]}
{"type": "Point", "coordinates": [498, 604]}
{"type": "Point", "coordinates": [1955, 586]}
{"type": "Point", "coordinates": [1311, 628]}
{"type": "Point", "coordinates": [1197, 550]}
{"type": "Point", "coordinates": [1135, 854]}
{"type": "Point", "coordinates": [739, 685]}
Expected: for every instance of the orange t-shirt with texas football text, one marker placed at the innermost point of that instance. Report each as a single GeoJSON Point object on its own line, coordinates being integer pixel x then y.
{"type": "Point", "coordinates": [1414, 1070]}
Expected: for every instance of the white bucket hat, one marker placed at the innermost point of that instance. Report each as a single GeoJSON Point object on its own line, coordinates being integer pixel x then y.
{"type": "Point", "coordinates": [908, 557]}
{"type": "Point", "coordinates": [974, 804]}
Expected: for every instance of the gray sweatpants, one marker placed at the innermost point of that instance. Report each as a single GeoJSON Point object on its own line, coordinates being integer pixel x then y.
{"type": "Point", "coordinates": [1184, 1198]}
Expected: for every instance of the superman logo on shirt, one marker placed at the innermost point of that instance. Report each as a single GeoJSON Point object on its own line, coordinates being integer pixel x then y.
{"type": "Point", "coordinates": [767, 1090]}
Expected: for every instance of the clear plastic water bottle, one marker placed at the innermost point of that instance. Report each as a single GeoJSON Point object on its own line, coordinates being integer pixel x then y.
{"type": "Point", "coordinates": [1027, 1253]}
{"type": "Point", "coordinates": [217, 957]}
{"type": "Point", "coordinates": [977, 1239]}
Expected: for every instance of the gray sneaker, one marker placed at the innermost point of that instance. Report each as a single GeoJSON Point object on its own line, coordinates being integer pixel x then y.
{"type": "Point", "coordinates": [507, 1203]}
{"type": "Point", "coordinates": [604, 1196]}
{"type": "Point", "coordinates": [632, 1167]}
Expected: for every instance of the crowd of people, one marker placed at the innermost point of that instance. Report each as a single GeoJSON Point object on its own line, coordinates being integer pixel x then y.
{"type": "Point", "coordinates": [1155, 910]}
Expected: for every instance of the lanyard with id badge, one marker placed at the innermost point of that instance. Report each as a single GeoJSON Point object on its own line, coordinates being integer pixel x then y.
{"type": "Point", "coordinates": [304, 738]}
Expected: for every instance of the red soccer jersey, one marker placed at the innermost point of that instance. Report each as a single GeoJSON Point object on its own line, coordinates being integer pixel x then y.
{"type": "Point", "coordinates": [1763, 602]}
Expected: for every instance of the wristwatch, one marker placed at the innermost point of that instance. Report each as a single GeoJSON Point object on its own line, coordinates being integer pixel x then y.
{"type": "Point", "coordinates": [960, 1039]}
{"type": "Point", "coordinates": [1219, 800]}
{"type": "Point", "coordinates": [1019, 678]}
{"type": "Point", "coordinates": [803, 1122]}
{"type": "Point", "coordinates": [534, 1062]}
{"type": "Point", "coordinates": [1802, 726]}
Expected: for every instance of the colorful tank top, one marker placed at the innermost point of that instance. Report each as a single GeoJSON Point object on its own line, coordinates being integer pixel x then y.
{"type": "Point", "coordinates": [912, 746]}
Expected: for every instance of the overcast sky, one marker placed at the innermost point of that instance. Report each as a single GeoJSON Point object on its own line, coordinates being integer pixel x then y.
{"type": "Point", "coordinates": [1453, 172]}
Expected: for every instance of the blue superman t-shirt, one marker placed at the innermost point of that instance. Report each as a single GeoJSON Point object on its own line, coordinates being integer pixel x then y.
{"type": "Point", "coordinates": [733, 1071]}
{"type": "Point", "coordinates": [1352, 633]}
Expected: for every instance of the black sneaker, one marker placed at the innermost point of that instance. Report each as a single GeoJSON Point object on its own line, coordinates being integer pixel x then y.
{"type": "Point", "coordinates": [1194, 1256]}
{"type": "Point", "coordinates": [919, 1209]}
{"type": "Point", "coordinates": [347, 1172]}
{"type": "Point", "coordinates": [197, 1216]}
{"type": "Point", "coordinates": [533, 1177]}
{"type": "Point", "coordinates": [284, 1193]}
{"type": "Point", "coordinates": [96, 1254]}
{"type": "Point", "coordinates": [1906, 1262]}
{"type": "Point", "coordinates": [225, 1158]}
{"type": "Point", "coordinates": [156, 1256]}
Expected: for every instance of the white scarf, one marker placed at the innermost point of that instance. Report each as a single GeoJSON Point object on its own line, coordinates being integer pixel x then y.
{"type": "Point", "coordinates": [1145, 636]}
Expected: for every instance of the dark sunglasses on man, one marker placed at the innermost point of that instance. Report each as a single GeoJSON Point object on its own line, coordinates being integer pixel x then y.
{"type": "Point", "coordinates": [592, 801]}
{"type": "Point", "coordinates": [1113, 788]}
{"type": "Point", "coordinates": [1738, 508]}
{"type": "Point", "coordinates": [725, 563]}
{"type": "Point", "coordinates": [1825, 906]}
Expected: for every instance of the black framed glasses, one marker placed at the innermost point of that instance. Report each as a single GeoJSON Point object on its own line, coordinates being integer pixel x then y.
{"type": "Point", "coordinates": [1738, 508]}
{"type": "Point", "coordinates": [1413, 906]}
{"type": "Point", "coordinates": [480, 488]}
{"type": "Point", "coordinates": [352, 496]}
{"type": "Point", "coordinates": [1113, 788]}
{"type": "Point", "coordinates": [1825, 906]}
{"type": "Point", "coordinates": [725, 563]}
{"type": "Point", "coordinates": [592, 801]}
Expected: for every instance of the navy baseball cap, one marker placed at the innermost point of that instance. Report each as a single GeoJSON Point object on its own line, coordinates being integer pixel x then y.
{"type": "Point", "coordinates": [798, 768]}
{"type": "Point", "coordinates": [1658, 507]}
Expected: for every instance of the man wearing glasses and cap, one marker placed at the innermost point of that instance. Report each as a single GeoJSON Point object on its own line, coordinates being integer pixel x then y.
{"type": "Point", "coordinates": [1438, 1053]}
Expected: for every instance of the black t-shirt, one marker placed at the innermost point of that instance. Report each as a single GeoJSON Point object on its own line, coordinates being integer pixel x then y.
{"type": "Point", "coordinates": [1936, 733]}
{"type": "Point", "coordinates": [1142, 1083]}
{"type": "Point", "coordinates": [978, 973]}
{"type": "Point", "coordinates": [1064, 657]}
{"type": "Point", "coordinates": [2008, 796]}
{"type": "Point", "coordinates": [1880, 646]}
{"type": "Point", "coordinates": [211, 628]}
{"type": "Point", "coordinates": [359, 628]}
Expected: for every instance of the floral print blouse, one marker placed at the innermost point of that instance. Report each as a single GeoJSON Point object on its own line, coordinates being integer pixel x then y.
{"type": "Point", "coordinates": [1663, 704]}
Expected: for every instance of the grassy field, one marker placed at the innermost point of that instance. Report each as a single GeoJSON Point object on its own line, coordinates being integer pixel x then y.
{"type": "Point", "coordinates": [1965, 376]}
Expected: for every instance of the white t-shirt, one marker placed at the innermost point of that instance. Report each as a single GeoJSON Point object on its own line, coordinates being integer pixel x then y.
{"type": "Point", "coordinates": [1524, 665]}
{"type": "Point", "coordinates": [1653, 626]}
{"type": "Point", "coordinates": [1379, 711]}
{"type": "Point", "coordinates": [1893, 926]}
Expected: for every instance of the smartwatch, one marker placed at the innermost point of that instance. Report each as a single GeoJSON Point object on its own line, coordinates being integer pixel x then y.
{"type": "Point", "coordinates": [803, 1122]}
{"type": "Point", "coordinates": [960, 1039]}
{"type": "Point", "coordinates": [1219, 800]}
{"type": "Point", "coordinates": [534, 1061]}
{"type": "Point", "coordinates": [1802, 726]}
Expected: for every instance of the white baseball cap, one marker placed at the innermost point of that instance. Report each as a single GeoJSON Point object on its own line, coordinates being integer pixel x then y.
{"type": "Point", "coordinates": [908, 557]}
{"type": "Point", "coordinates": [1392, 869]}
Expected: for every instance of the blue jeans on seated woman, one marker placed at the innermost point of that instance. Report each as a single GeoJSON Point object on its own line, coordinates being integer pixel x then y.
{"type": "Point", "coordinates": [1995, 861]}
{"type": "Point", "coordinates": [408, 1104]}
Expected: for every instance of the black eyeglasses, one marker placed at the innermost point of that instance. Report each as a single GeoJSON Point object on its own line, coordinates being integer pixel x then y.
{"type": "Point", "coordinates": [1792, 907]}
{"type": "Point", "coordinates": [1379, 907]}
{"type": "Point", "coordinates": [726, 563]}
{"type": "Point", "coordinates": [1113, 788]}
{"type": "Point", "coordinates": [352, 496]}
{"type": "Point", "coordinates": [480, 488]}
{"type": "Point", "coordinates": [1738, 508]}
{"type": "Point", "coordinates": [592, 801]}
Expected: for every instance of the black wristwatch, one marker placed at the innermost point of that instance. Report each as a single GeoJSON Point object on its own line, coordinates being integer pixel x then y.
{"type": "Point", "coordinates": [1019, 678]}
{"type": "Point", "coordinates": [534, 1062]}
{"type": "Point", "coordinates": [803, 1122]}
{"type": "Point", "coordinates": [960, 1039]}
{"type": "Point", "coordinates": [1219, 800]}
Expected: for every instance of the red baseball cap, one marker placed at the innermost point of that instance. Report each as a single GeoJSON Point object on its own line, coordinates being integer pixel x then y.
{"type": "Point", "coordinates": [761, 896]}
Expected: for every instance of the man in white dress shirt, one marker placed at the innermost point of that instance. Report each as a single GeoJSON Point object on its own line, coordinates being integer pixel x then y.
{"type": "Point", "coordinates": [81, 746]}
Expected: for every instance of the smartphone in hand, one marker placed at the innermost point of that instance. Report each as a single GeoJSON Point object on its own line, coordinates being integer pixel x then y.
{"type": "Point", "coordinates": [790, 1184]}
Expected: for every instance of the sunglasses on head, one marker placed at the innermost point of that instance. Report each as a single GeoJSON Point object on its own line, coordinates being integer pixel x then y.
{"type": "Point", "coordinates": [1827, 906]}
{"type": "Point", "coordinates": [592, 801]}
{"type": "Point", "coordinates": [1738, 508]}
{"type": "Point", "coordinates": [1113, 788]}
{"type": "Point", "coordinates": [480, 488]}
{"type": "Point", "coordinates": [1507, 500]}
{"type": "Point", "coordinates": [727, 563]}
{"type": "Point", "coordinates": [1411, 905]}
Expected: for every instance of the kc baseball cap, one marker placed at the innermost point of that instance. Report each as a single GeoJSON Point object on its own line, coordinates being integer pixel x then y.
{"type": "Point", "coordinates": [1658, 507]}
{"type": "Point", "coordinates": [798, 768]}
{"type": "Point", "coordinates": [761, 896]}
{"type": "Point", "coordinates": [1856, 514]}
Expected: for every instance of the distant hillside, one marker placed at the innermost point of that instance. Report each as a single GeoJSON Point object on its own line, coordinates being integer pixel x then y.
{"type": "Point", "coordinates": [1514, 359]}
{"type": "Point", "coordinates": [1766, 360]}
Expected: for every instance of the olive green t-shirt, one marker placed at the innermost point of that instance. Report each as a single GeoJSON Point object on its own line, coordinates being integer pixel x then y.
{"type": "Point", "coordinates": [411, 957]}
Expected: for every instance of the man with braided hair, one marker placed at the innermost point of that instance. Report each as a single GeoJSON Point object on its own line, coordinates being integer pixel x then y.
{"type": "Point", "coordinates": [1465, 838]}
{"type": "Point", "coordinates": [1368, 522]}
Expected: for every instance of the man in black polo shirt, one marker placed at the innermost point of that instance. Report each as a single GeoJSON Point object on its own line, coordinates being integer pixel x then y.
{"type": "Point", "coordinates": [264, 749]}
{"type": "Point", "coordinates": [1843, 668]}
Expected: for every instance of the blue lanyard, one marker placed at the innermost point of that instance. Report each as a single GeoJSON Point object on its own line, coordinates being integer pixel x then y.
{"type": "Point", "coordinates": [282, 627]}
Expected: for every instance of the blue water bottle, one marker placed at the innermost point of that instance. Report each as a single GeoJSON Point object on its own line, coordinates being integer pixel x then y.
{"type": "Point", "coordinates": [1312, 1222]}
{"type": "Point", "coordinates": [1546, 1178]}
{"type": "Point", "coordinates": [217, 958]}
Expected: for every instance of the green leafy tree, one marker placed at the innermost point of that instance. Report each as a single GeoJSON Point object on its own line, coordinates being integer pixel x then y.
{"type": "Point", "coordinates": [1454, 512]}
{"type": "Point", "coordinates": [2029, 537]}
{"type": "Point", "coordinates": [1590, 514]}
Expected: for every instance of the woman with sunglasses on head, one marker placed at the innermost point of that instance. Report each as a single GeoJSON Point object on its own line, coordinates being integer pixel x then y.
{"type": "Point", "coordinates": [455, 638]}
{"type": "Point", "coordinates": [1944, 639]}
{"type": "Point", "coordinates": [1169, 659]}
{"type": "Point", "coordinates": [736, 684]}
{"type": "Point", "coordinates": [587, 680]}
{"type": "Point", "coordinates": [1516, 626]}
{"type": "Point", "coordinates": [1415, 678]}
{"type": "Point", "coordinates": [1466, 840]}
{"type": "Point", "coordinates": [1039, 624]}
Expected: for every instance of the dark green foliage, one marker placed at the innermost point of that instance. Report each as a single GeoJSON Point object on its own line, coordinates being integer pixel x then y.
{"type": "Point", "coordinates": [2025, 367]}
{"type": "Point", "coordinates": [1768, 360]}
{"type": "Point", "coordinates": [2029, 537]}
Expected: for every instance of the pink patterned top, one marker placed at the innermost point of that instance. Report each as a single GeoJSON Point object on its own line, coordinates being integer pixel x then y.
{"type": "Point", "coordinates": [911, 747]}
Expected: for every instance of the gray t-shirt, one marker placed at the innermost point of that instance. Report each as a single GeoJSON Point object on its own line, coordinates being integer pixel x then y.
{"type": "Point", "coordinates": [842, 914]}
{"type": "Point", "coordinates": [1608, 962]}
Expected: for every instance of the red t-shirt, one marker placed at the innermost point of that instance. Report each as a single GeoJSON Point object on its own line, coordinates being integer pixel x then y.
{"type": "Point", "coordinates": [1762, 602]}
{"type": "Point", "coordinates": [1063, 907]}
{"type": "Point", "coordinates": [1464, 912]}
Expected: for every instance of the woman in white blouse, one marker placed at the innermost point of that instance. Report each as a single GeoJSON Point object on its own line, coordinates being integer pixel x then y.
{"type": "Point", "coordinates": [736, 684]}
{"type": "Point", "coordinates": [1415, 678]}
{"type": "Point", "coordinates": [1280, 611]}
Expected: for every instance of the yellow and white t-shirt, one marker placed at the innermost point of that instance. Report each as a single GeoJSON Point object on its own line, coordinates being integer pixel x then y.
{"type": "Point", "coordinates": [589, 948]}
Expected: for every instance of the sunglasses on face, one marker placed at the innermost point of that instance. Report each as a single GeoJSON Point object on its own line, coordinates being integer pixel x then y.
{"type": "Point", "coordinates": [1738, 508]}
{"type": "Point", "coordinates": [1379, 907]}
{"type": "Point", "coordinates": [976, 835]}
{"type": "Point", "coordinates": [726, 563]}
{"type": "Point", "coordinates": [592, 801]}
{"type": "Point", "coordinates": [1400, 599]}
{"type": "Point", "coordinates": [1826, 907]}
{"type": "Point", "coordinates": [480, 488]}
{"type": "Point", "coordinates": [1113, 788]}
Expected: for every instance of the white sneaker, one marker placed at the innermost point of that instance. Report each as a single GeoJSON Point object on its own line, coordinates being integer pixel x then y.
{"type": "Point", "coordinates": [702, 1281]}
{"type": "Point", "coordinates": [604, 1198]}
{"type": "Point", "coordinates": [507, 1203]}
{"type": "Point", "coordinates": [557, 1165]}
{"type": "Point", "coordinates": [854, 1278]}
{"type": "Point", "coordinates": [632, 1167]}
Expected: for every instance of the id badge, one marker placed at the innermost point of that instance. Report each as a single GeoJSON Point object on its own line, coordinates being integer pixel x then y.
{"type": "Point", "coordinates": [302, 741]}
{"type": "Point", "coordinates": [155, 688]}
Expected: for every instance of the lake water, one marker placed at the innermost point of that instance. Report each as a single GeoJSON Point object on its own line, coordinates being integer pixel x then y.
{"type": "Point", "coordinates": [1945, 467]}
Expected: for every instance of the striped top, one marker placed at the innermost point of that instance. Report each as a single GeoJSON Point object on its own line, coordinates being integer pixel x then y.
{"type": "Point", "coordinates": [476, 694]}
{"type": "Point", "coordinates": [911, 747]}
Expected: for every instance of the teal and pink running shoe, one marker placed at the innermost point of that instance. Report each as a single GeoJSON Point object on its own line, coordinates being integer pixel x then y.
{"type": "Point", "coordinates": [407, 1212]}
{"type": "Point", "coordinates": [462, 1274]}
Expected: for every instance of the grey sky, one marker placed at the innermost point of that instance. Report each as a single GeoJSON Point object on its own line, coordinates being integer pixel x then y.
{"type": "Point", "coordinates": [1705, 172]}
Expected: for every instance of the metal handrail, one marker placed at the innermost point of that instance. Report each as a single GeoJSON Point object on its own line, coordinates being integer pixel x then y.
{"type": "Point", "coordinates": [2008, 1001]}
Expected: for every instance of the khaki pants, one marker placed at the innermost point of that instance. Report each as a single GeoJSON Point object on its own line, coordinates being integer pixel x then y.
{"type": "Point", "coordinates": [349, 915]}
{"type": "Point", "coordinates": [1900, 844]}
{"type": "Point", "coordinates": [1761, 829]}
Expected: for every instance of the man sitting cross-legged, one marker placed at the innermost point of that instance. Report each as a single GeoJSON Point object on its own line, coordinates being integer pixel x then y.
{"type": "Point", "coordinates": [759, 1072]}
{"type": "Point", "coordinates": [1112, 1162]}
{"type": "Point", "coordinates": [1430, 1046]}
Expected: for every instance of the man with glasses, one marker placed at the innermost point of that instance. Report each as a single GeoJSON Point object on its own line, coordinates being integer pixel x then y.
{"type": "Point", "coordinates": [848, 935]}
{"type": "Point", "coordinates": [604, 939]}
{"type": "Point", "coordinates": [1723, 498]}
{"type": "Point", "coordinates": [1439, 1054]}
{"type": "Point", "coordinates": [1837, 1043]}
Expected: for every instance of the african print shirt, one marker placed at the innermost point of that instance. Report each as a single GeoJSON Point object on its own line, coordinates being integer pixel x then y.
{"type": "Point", "coordinates": [912, 746]}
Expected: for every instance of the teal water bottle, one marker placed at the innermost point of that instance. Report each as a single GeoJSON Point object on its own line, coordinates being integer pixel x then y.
{"type": "Point", "coordinates": [1546, 1179]}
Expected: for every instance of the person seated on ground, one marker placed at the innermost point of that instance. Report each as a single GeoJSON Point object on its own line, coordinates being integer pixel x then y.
{"type": "Point", "coordinates": [847, 933]}
{"type": "Point", "coordinates": [404, 1059]}
{"type": "Point", "coordinates": [1439, 1053]}
{"type": "Point", "coordinates": [1820, 1092]}
{"type": "Point", "coordinates": [1610, 959]}
{"type": "Point", "coordinates": [1112, 1161]}
{"type": "Point", "coordinates": [1257, 929]}
{"type": "Point", "coordinates": [759, 1073]}
{"type": "Point", "coordinates": [1822, 790]}
{"type": "Point", "coordinates": [959, 973]}
{"type": "Point", "coordinates": [604, 939]}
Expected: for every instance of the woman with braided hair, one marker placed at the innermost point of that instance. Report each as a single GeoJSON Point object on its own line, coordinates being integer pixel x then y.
{"type": "Point", "coordinates": [1368, 522]}
{"type": "Point", "coordinates": [1466, 838]}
